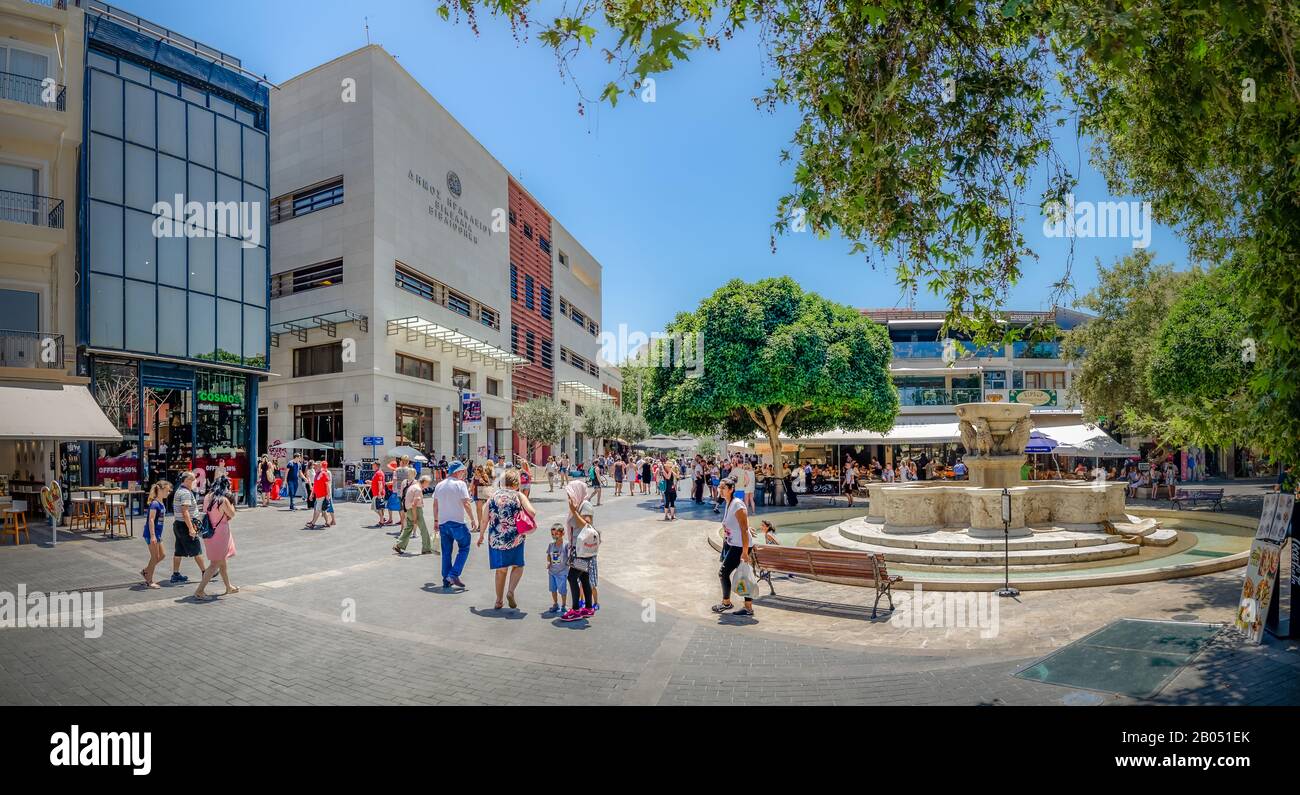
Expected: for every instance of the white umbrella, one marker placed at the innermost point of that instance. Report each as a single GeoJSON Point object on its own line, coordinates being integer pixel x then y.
{"type": "Point", "coordinates": [407, 450]}
{"type": "Point", "coordinates": [305, 444]}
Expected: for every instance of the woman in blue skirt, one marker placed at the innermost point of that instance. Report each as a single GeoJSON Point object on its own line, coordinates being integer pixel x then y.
{"type": "Point", "coordinates": [505, 544]}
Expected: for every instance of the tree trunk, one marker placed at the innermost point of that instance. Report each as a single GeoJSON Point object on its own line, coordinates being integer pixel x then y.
{"type": "Point", "coordinates": [778, 462]}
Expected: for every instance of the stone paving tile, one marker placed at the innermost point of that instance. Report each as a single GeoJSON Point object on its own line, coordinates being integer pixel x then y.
{"type": "Point", "coordinates": [412, 644]}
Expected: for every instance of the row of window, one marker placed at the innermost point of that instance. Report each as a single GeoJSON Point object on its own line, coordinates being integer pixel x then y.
{"type": "Point", "coordinates": [579, 362]}
{"type": "Point", "coordinates": [531, 347]}
{"type": "Point", "coordinates": [578, 316]}
{"type": "Point", "coordinates": [433, 290]}
{"type": "Point", "coordinates": [531, 292]}
{"type": "Point", "coordinates": [324, 274]}
{"type": "Point", "coordinates": [168, 84]}
{"type": "Point", "coordinates": [308, 200]}
{"type": "Point", "coordinates": [542, 242]}
{"type": "Point", "coordinates": [429, 371]}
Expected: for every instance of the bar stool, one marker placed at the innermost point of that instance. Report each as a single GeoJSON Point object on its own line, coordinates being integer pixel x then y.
{"type": "Point", "coordinates": [115, 516]}
{"type": "Point", "coordinates": [79, 517]}
{"type": "Point", "coordinates": [98, 513]}
{"type": "Point", "coordinates": [15, 521]}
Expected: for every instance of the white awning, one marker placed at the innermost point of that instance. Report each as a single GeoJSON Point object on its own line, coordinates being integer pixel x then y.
{"type": "Point", "coordinates": [912, 433]}
{"type": "Point", "coordinates": [57, 412]}
{"type": "Point", "coordinates": [452, 339]}
{"type": "Point", "coordinates": [581, 390]}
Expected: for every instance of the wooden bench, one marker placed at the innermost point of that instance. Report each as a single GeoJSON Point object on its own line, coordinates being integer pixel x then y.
{"type": "Point", "coordinates": [858, 567]}
{"type": "Point", "coordinates": [1197, 495]}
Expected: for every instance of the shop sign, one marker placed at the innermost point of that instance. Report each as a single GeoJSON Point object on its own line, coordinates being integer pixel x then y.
{"type": "Point", "coordinates": [1034, 397]}
{"type": "Point", "coordinates": [220, 397]}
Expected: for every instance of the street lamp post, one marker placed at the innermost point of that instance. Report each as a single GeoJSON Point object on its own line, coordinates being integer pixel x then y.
{"type": "Point", "coordinates": [1006, 589]}
{"type": "Point", "coordinates": [460, 380]}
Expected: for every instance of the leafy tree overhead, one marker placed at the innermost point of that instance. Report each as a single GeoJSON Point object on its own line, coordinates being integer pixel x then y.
{"type": "Point", "coordinates": [921, 123]}
{"type": "Point", "coordinates": [542, 422]}
{"type": "Point", "coordinates": [776, 360]}
{"type": "Point", "coordinates": [633, 428]}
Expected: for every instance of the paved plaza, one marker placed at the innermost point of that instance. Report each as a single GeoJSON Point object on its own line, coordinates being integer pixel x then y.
{"type": "Point", "coordinates": [334, 617]}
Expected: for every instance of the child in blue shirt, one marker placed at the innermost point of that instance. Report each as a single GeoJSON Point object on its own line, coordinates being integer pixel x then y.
{"type": "Point", "coordinates": [557, 568]}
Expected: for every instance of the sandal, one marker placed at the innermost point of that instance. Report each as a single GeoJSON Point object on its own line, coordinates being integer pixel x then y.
{"type": "Point", "coordinates": [230, 590]}
{"type": "Point", "coordinates": [496, 606]}
{"type": "Point", "coordinates": [510, 599]}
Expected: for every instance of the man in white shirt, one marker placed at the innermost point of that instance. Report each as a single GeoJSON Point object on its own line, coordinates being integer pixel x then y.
{"type": "Point", "coordinates": [451, 508]}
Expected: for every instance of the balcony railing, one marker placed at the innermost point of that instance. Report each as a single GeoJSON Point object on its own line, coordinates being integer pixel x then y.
{"type": "Point", "coordinates": [31, 349]}
{"type": "Point", "coordinates": [934, 350]}
{"type": "Point", "coordinates": [1037, 350]}
{"type": "Point", "coordinates": [60, 4]}
{"type": "Point", "coordinates": [938, 396]}
{"type": "Point", "coordinates": [31, 91]}
{"type": "Point", "coordinates": [28, 208]}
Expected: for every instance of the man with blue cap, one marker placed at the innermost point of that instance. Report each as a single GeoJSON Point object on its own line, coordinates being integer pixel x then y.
{"type": "Point", "coordinates": [451, 510]}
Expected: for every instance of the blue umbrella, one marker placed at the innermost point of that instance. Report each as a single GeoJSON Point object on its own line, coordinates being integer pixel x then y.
{"type": "Point", "coordinates": [1040, 442]}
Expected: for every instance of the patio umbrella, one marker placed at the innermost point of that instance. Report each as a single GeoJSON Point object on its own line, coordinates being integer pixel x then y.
{"type": "Point", "coordinates": [1040, 442]}
{"type": "Point", "coordinates": [305, 444]}
{"type": "Point", "coordinates": [407, 450]}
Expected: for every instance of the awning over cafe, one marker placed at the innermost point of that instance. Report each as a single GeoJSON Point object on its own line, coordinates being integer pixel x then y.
{"type": "Point", "coordinates": [57, 412]}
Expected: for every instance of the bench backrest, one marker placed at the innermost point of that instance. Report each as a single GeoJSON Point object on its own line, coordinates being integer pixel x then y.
{"type": "Point", "coordinates": [815, 562]}
{"type": "Point", "coordinates": [1200, 493]}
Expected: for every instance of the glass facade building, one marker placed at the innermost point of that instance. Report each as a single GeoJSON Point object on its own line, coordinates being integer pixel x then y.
{"type": "Point", "coordinates": [173, 289]}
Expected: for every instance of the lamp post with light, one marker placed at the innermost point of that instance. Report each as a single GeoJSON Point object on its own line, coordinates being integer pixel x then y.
{"type": "Point", "coordinates": [1006, 589]}
{"type": "Point", "coordinates": [460, 380]}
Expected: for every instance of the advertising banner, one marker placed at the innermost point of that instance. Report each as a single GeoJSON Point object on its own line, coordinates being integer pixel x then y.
{"type": "Point", "coordinates": [471, 413]}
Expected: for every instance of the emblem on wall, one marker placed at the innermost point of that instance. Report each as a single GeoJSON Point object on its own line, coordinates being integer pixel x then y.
{"type": "Point", "coordinates": [453, 184]}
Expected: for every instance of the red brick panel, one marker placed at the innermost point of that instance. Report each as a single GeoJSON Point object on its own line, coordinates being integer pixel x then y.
{"type": "Point", "coordinates": [526, 254]}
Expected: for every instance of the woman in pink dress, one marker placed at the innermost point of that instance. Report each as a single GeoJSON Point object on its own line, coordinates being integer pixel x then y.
{"type": "Point", "coordinates": [220, 509]}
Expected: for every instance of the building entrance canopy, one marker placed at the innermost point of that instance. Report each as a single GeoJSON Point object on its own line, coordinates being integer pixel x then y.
{"type": "Point", "coordinates": [451, 339]}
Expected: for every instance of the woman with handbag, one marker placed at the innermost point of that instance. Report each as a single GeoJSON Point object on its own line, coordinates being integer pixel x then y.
{"type": "Point", "coordinates": [510, 517]}
{"type": "Point", "coordinates": [218, 510]}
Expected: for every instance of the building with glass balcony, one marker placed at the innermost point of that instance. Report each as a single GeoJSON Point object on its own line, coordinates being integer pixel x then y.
{"type": "Point", "coordinates": [172, 318]}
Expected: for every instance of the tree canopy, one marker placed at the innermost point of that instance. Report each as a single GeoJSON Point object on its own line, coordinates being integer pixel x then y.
{"type": "Point", "coordinates": [542, 422]}
{"type": "Point", "coordinates": [922, 122]}
{"type": "Point", "coordinates": [775, 360]}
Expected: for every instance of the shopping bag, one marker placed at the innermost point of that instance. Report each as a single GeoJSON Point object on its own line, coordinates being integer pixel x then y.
{"type": "Point", "coordinates": [743, 583]}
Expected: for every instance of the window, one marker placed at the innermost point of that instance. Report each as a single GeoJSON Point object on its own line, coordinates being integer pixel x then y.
{"type": "Point", "coordinates": [577, 361]}
{"type": "Point", "coordinates": [459, 304]}
{"type": "Point", "coordinates": [544, 244]}
{"type": "Point", "coordinates": [548, 355]}
{"type": "Point", "coordinates": [318, 360]}
{"type": "Point", "coordinates": [546, 303]}
{"type": "Point", "coordinates": [564, 259]}
{"type": "Point", "coordinates": [514, 338]}
{"type": "Point", "coordinates": [995, 379]}
{"type": "Point", "coordinates": [494, 386]}
{"type": "Point", "coordinates": [321, 422]}
{"type": "Point", "coordinates": [325, 274]}
{"type": "Point", "coordinates": [528, 231]}
{"type": "Point", "coordinates": [564, 307]}
{"type": "Point", "coordinates": [419, 285]}
{"type": "Point", "coordinates": [528, 292]}
{"type": "Point", "coordinates": [308, 200]}
{"type": "Point", "coordinates": [416, 368]}
{"type": "Point", "coordinates": [593, 328]}
{"type": "Point", "coordinates": [1047, 380]}
{"type": "Point", "coordinates": [415, 427]}
{"type": "Point", "coordinates": [512, 218]}
{"type": "Point", "coordinates": [514, 282]}
{"type": "Point", "coordinates": [531, 342]}
{"type": "Point", "coordinates": [433, 290]}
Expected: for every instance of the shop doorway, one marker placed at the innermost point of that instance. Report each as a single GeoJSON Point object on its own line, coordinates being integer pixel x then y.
{"type": "Point", "coordinates": [168, 433]}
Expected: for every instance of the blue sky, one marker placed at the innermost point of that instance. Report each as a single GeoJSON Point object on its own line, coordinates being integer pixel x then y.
{"type": "Point", "coordinates": [674, 198]}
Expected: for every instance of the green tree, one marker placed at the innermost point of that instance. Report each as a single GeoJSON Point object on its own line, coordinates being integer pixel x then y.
{"type": "Point", "coordinates": [776, 360]}
{"type": "Point", "coordinates": [922, 121]}
{"type": "Point", "coordinates": [633, 428]}
{"type": "Point", "coordinates": [1111, 352]}
{"type": "Point", "coordinates": [602, 423]}
{"type": "Point", "coordinates": [1199, 370]}
{"type": "Point", "coordinates": [542, 422]}
{"type": "Point", "coordinates": [707, 447]}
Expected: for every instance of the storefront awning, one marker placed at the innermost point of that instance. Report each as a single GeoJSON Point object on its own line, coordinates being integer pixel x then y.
{"type": "Point", "coordinates": [57, 412]}
{"type": "Point", "coordinates": [913, 433]}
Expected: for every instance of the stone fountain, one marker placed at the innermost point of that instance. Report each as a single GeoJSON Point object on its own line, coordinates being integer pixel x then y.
{"type": "Point", "coordinates": [949, 522]}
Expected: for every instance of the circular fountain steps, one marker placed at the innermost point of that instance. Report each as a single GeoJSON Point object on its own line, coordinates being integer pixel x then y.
{"type": "Point", "coordinates": [951, 540]}
{"type": "Point", "coordinates": [980, 552]}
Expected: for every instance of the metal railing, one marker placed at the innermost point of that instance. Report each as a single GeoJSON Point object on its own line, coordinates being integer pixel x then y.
{"type": "Point", "coordinates": [1037, 350]}
{"type": "Point", "coordinates": [28, 208]}
{"type": "Point", "coordinates": [934, 350]}
{"type": "Point", "coordinates": [938, 396]}
{"type": "Point", "coordinates": [32, 91]}
{"type": "Point", "coordinates": [62, 5]}
{"type": "Point", "coordinates": [31, 349]}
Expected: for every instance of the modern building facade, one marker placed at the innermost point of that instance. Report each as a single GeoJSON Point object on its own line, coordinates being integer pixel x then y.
{"type": "Point", "coordinates": [408, 267]}
{"type": "Point", "coordinates": [172, 305]}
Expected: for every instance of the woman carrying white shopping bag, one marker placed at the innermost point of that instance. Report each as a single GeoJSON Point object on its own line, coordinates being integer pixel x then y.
{"type": "Point", "coordinates": [735, 549]}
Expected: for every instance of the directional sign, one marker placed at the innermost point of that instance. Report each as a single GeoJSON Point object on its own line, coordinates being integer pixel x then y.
{"type": "Point", "coordinates": [372, 441]}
